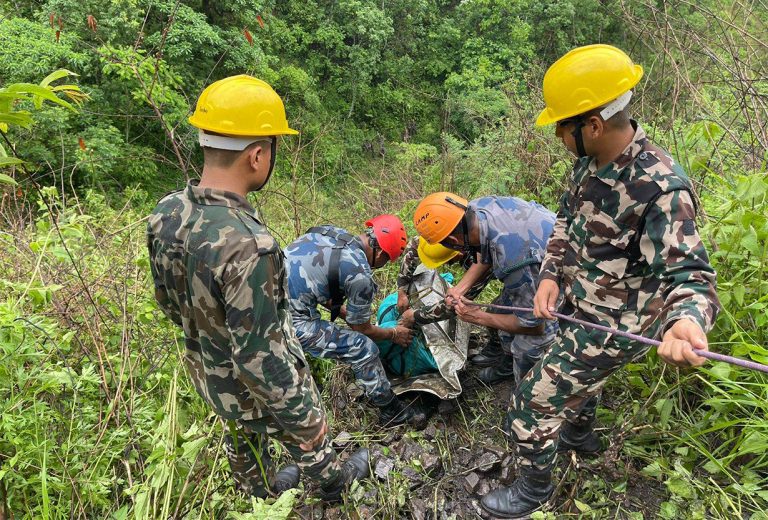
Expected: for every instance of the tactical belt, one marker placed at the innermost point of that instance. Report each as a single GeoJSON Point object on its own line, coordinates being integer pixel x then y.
{"type": "Point", "coordinates": [342, 240]}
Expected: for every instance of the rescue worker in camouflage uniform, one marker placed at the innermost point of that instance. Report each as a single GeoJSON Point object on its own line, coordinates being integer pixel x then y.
{"type": "Point", "coordinates": [327, 266]}
{"type": "Point", "coordinates": [627, 255]}
{"type": "Point", "coordinates": [433, 256]}
{"type": "Point", "coordinates": [507, 235]}
{"type": "Point", "coordinates": [219, 275]}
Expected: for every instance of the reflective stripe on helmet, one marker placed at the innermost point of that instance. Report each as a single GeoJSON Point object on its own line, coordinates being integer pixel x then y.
{"type": "Point", "coordinates": [224, 142]}
{"type": "Point", "coordinates": [616, 106]}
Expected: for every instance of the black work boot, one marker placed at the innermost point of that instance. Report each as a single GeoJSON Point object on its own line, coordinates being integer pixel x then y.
{"type": "Point", "coordinates": [356, 467]}
{"type": "Point", "coordinates": [287, 478]}
{"type": "Point", "coordinates": [503, 370]}
{"type": "Point", "coordinates": [394, 412]}
{"type": "Point", "coordinates": [579, 438]}
{"type": "Point", "coordinates": [491, 353]}
{"type": "Point", "coordinates": [529, 492]}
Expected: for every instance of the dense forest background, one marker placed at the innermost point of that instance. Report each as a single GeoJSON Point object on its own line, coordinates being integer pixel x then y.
{"type": "Point", "coordinates": [394, 99]}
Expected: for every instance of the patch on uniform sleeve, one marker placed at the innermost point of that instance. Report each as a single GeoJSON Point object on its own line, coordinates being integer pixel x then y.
{"type": "Point", "coordinates": [689, 227]}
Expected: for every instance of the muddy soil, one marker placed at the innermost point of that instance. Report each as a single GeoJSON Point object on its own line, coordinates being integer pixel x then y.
{"type": "Point", "coordinates": [442, 471]}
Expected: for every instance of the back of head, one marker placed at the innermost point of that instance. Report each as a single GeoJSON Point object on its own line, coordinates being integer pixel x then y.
{"type": "Point", "coordinates": [233, 115]}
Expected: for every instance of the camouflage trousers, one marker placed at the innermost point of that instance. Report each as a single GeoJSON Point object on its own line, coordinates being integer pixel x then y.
{"type": "Point", "coordinates": [525, 350]}
{"type": "Point", "coordinates": [246, 444]}
{"type": "Point", "coordinates": [325, 340]}
{"type": "Point", "coordinates": [564, 386]}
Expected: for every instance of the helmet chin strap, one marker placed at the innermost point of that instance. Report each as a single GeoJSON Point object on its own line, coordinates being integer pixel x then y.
{"type": "Point", "coordinates": [373, 242]}
{"type": "Point", "coordinates": [467, 248]}
{"type": "Point", "coordinates": [578, 136]}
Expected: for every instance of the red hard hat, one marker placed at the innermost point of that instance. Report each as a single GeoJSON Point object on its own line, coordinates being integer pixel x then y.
{"type": "Point", "coordinates": [390, 234]}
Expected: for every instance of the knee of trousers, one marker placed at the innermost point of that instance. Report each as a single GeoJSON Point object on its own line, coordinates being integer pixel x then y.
{"type": "Point", "coordinates": [307, 333]}
{"type": "Point", "coordinates": [360, 349]}
{"type": "Point", "coordinates": [526, 428]}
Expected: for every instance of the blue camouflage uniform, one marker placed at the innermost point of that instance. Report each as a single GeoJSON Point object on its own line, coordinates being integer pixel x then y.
{"type": "Point", "coordinates": [308, 261]}
{"type": "Point", "coordinates": [513, 240]}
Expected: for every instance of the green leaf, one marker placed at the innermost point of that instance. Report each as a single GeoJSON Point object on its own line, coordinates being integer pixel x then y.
{"type": "Point", "coordinates": [751, 243]}
{"type": "Point", "coordinates": [7, 179]}
{"type": "Point", "coordinates": [584, 508]}
{"type": "Point", "coordinates": [738, 293]}
{"type": "Point", "coordinates": [680, 487]}
{"type": "Point", "coordinates": [720, 370]}
{"type": "Point", "coordinates": [653, 470]}
{"type": "Point", "coordinates": [755, 442]}
{"type": "Point", "coordinates": [192, 448]}
{"type": "Point", "coordinates": [664, 407]}
{"type": "Point", "coordinates": [21, 118]}
{"type": "Point", "coordinates": [55, 75]}
{"type": "Point", "coordinates": [668, 510]}
{"type": "Point", "coordinates": [712, 467]}
{"type": "Point", "coordinates": [39, 93]}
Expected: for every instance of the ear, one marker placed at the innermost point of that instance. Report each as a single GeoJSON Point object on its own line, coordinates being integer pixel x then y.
{"type": "Point", "coordinates": [255, 156]}
{"type": "Point", "coordinates": [595, 126]}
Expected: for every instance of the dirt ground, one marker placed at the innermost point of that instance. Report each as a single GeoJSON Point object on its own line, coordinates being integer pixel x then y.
{"type": "Point", "coordinates": [442, 471]}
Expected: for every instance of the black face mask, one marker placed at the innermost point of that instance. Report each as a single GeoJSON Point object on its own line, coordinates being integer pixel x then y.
{"type": "Point", "coordinates": [468, 249]}
{"type": "Point", "coordinates": [273, 156]}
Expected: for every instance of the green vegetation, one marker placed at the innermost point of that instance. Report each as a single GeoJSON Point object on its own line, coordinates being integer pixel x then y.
{"type": "Point", "coordinates": [394, 99]}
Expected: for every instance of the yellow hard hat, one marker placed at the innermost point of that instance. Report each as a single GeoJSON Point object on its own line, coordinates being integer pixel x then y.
{"type": "Point", "coordinates": [438, 214]}
{"type": "Point", "coordinates": [434, 255]}
{"type": "Point", "coordinates": [584, 79]}
{"type": "Point", "coordinates": [241, 106]}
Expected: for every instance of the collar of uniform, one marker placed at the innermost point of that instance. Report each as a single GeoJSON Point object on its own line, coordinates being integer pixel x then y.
{"type": "Point", "coordinates": [611, 172]}
{"type": "Point", "coordinates": [213, 197]}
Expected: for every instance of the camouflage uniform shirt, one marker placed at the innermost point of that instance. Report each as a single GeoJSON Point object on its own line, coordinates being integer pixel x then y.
{"type": "Point", "coordinates": [626, 253]}
{"type": "Point", "coordinates": [308, 260]}
{"type": "Point", "coordinates": [220, 276]}
{"type": "Point", "coordinates": [513, 239]}
{"type": "Point", "coordinates": [625, 246]}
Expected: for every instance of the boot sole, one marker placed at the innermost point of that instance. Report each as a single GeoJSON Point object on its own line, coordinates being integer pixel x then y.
{"type": "Point", "coordinates": [486, 363]}
{"type": "Point", "coordinates": [497, 514]}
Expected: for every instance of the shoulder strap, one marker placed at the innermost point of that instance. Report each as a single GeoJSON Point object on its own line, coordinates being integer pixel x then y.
{"type": "Point", "coordinates": [334, 286]}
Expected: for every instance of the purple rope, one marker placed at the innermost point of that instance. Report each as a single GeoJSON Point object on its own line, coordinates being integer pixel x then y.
{"type": "Point", "coordinates": [648, 341]}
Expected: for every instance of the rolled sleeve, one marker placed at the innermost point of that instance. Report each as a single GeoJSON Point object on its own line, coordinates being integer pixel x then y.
{"type": "Point", "coordinates": [360, 291]}
{"type": "Point", "coordinates": [408, 265]}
